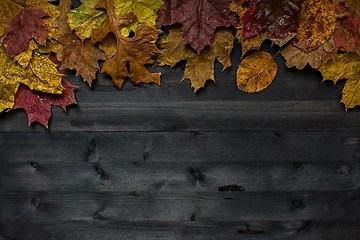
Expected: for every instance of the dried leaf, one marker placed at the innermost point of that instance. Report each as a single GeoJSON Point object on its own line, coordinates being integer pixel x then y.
{"type": "Point", "coordinates": [40, 75]}
{"type": "Point", "coordinates": [131, 53]}
{"type": "Point", "coordinates": [297, 58]}
{"type": "Point", "coordinates": [347, 35]}
{"type": "Point", "coordinates": [199, 19]}
{"type": "Point", "coordinates": [23, 27]}
{"type": "Point", "coordinates": [279, 17]}
{"type": "Point", "coordinates": [38, 105]}
{"type": "Point", "coordinates": [354, 5]}
{"type": "Point", "coordinates": [251, 43]}
{"type": "Point", "coordinates": [317, 25]}
{"type": "Point", "coordinates": [144, 10]}
{"type": "Point", "coordinates": [72, 52]}
{"type": "Point", "coordinates": [84, 18]}
{"type": "Point", "coordinates": [256, 72]}
{"type": "Point", "coordinates": [8, 10]}
{"type": "Point", "coordinates": [199, 68]}
{"type": "Point", "coordinates": [345, 66]}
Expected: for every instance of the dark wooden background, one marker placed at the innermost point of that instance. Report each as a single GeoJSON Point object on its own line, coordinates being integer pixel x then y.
{"type": "Point", "coordinates": [152, 162]}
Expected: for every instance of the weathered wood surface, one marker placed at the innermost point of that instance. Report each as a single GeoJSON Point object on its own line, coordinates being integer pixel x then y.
{"type": "Point", "coordinates": [152, 162]}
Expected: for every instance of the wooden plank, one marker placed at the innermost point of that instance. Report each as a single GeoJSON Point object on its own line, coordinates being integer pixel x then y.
{"type": "Point", "coordinates": [151, 230]}
{"type": "Point", "coordinates": [180, 206]}
{"type": "Point", "coordinates": [296, 100]}
{"type": "Point", "coordinates": [181, 176]}
{"type": "Point", "coordinates": [296, 147]}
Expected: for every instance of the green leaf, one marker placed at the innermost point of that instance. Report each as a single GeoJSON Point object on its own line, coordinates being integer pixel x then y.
{"type": "Point", "coordinates": [145, 11]}
{"type": "Point", "coordinates": [84, 18]}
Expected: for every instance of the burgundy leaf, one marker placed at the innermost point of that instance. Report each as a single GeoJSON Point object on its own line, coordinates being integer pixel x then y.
{"type": "Point", "coordinates": [23, 27]}
{"type": "Point", "coordinates": [38, 105]}
{"type": "Point", "coordinates": [199, 19]}
{"type": "Point", "coordinates": [279, 17]}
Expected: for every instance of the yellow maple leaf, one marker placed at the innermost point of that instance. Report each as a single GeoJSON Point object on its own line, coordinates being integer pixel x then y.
{"type": "Point", "coordinates": [345, 66]}
{"type": "Point", "coordinates": [199, 68]}
{"type": "Point", "coordinates": [40, 75]}
{"type": "Point", "coordinates": [144, 10]}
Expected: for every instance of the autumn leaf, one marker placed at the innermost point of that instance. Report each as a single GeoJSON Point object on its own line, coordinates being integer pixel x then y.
{"type": "Point", "coordinates": [279, 17]}
{"type": "Point", "coordinates": [347, 35]}
{"type": "Point", "coordinates": [40, 75]}
{"type": "Point", "coordinates": [199, 68]}
{"type": "Point", "coordinates": [256, 72]}
{"type": "Point", "coordinates": [345, 66]}
{"type": "Point", "coordinates": [144, 10]}
{"type": "Point", "coordinates": [297, 58]}
{"type": "Point", "coordinates": [84, 18]}
{"type": "Point", "coordinates": [74, 53]}
{"type": "Point", "coordinates": [251, 43]}
{"type": "Point", "coordinates": [38, 105]}
{"type": "Point", "coordinates": [317, 25]}
{"type": "Point", "coordinates": [199, 19]}
{"type": "Point", "coordinates": [354, 5]}
{"type": "Point", "coordinates": [131, 53]}
{"type": "Point", "coordinates": [23, 27]}
{"type": "Point", "coordinates": [8, 10]}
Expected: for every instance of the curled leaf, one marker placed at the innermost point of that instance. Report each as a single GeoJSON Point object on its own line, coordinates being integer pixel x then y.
{"type": "Point", "coordinates": [256, 72]}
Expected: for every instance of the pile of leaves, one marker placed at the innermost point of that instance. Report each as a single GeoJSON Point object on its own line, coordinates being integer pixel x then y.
{"type": "Point", "coordinates": [40, 41]}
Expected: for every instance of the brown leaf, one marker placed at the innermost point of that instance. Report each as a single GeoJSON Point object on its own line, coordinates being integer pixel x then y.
{"type": "Point", "coordinates": [318, 22]}
{"type": "Point", "coordinates": [72, 52]}
{"type": "Point", "coordinates": [256, 72]}
{"type": "Point", "coordinates": [297, 58]}
{"type": "Point", "coordinates": [131, 53]}
{"type": "Point", "coordinates": [199, 68]}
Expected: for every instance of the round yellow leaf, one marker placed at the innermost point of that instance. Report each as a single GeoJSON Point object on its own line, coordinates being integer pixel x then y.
{"type": "Point", "coordinates": [256, 72]}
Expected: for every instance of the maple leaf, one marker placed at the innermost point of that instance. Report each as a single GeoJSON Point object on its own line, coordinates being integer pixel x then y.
{"type": "Point", "coordinates": [8, 10]}
{"type": "Point", "coordinates": [84, 18]}
{"type": "Point", "coordinates": [40, 75]}
{"type": "Point", "coordinates": [74, 53]}
{"type": "Point", "coordinates": [199, 68]}
{"type": "Point", "coordinates": [256, 72]}
{"type": "Point", "coordinates": [38, 105]}
{"type": "Point", "coordinates": [297, 58]}
{"type": "Point", "coordinates": [279, 17]}
{"type": "Point", "coordinates": [23, 27]}
{"type": "Point", "coordinates": [345, 66]}
{"type": "Point", "coordinates": [317, 25]}
{"type": "Point", "coordinates": [347, 35]}
{"type": "Point", "coordinates": [251, 43]}
{"type": "Point", "coordinates": [144, 10]}
{"type": "Point", "coordinates": [354, 5]}
{"type": "Point", "coordinates": [199, 19]}
{"type": "Point", "coordinates": [131, 53]}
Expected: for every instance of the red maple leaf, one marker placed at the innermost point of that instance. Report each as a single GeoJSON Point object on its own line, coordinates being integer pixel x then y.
{"type": "Point", "coordinates": [199, 19]}
{"type": "Point", "coordinates": [279, 17]}
{"type": "Point", "coordinates": [38, 105]}
{"type": "Point", "coordinates": [347, 35]}
{"type": "Point", "coordinates": [23, 27]}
